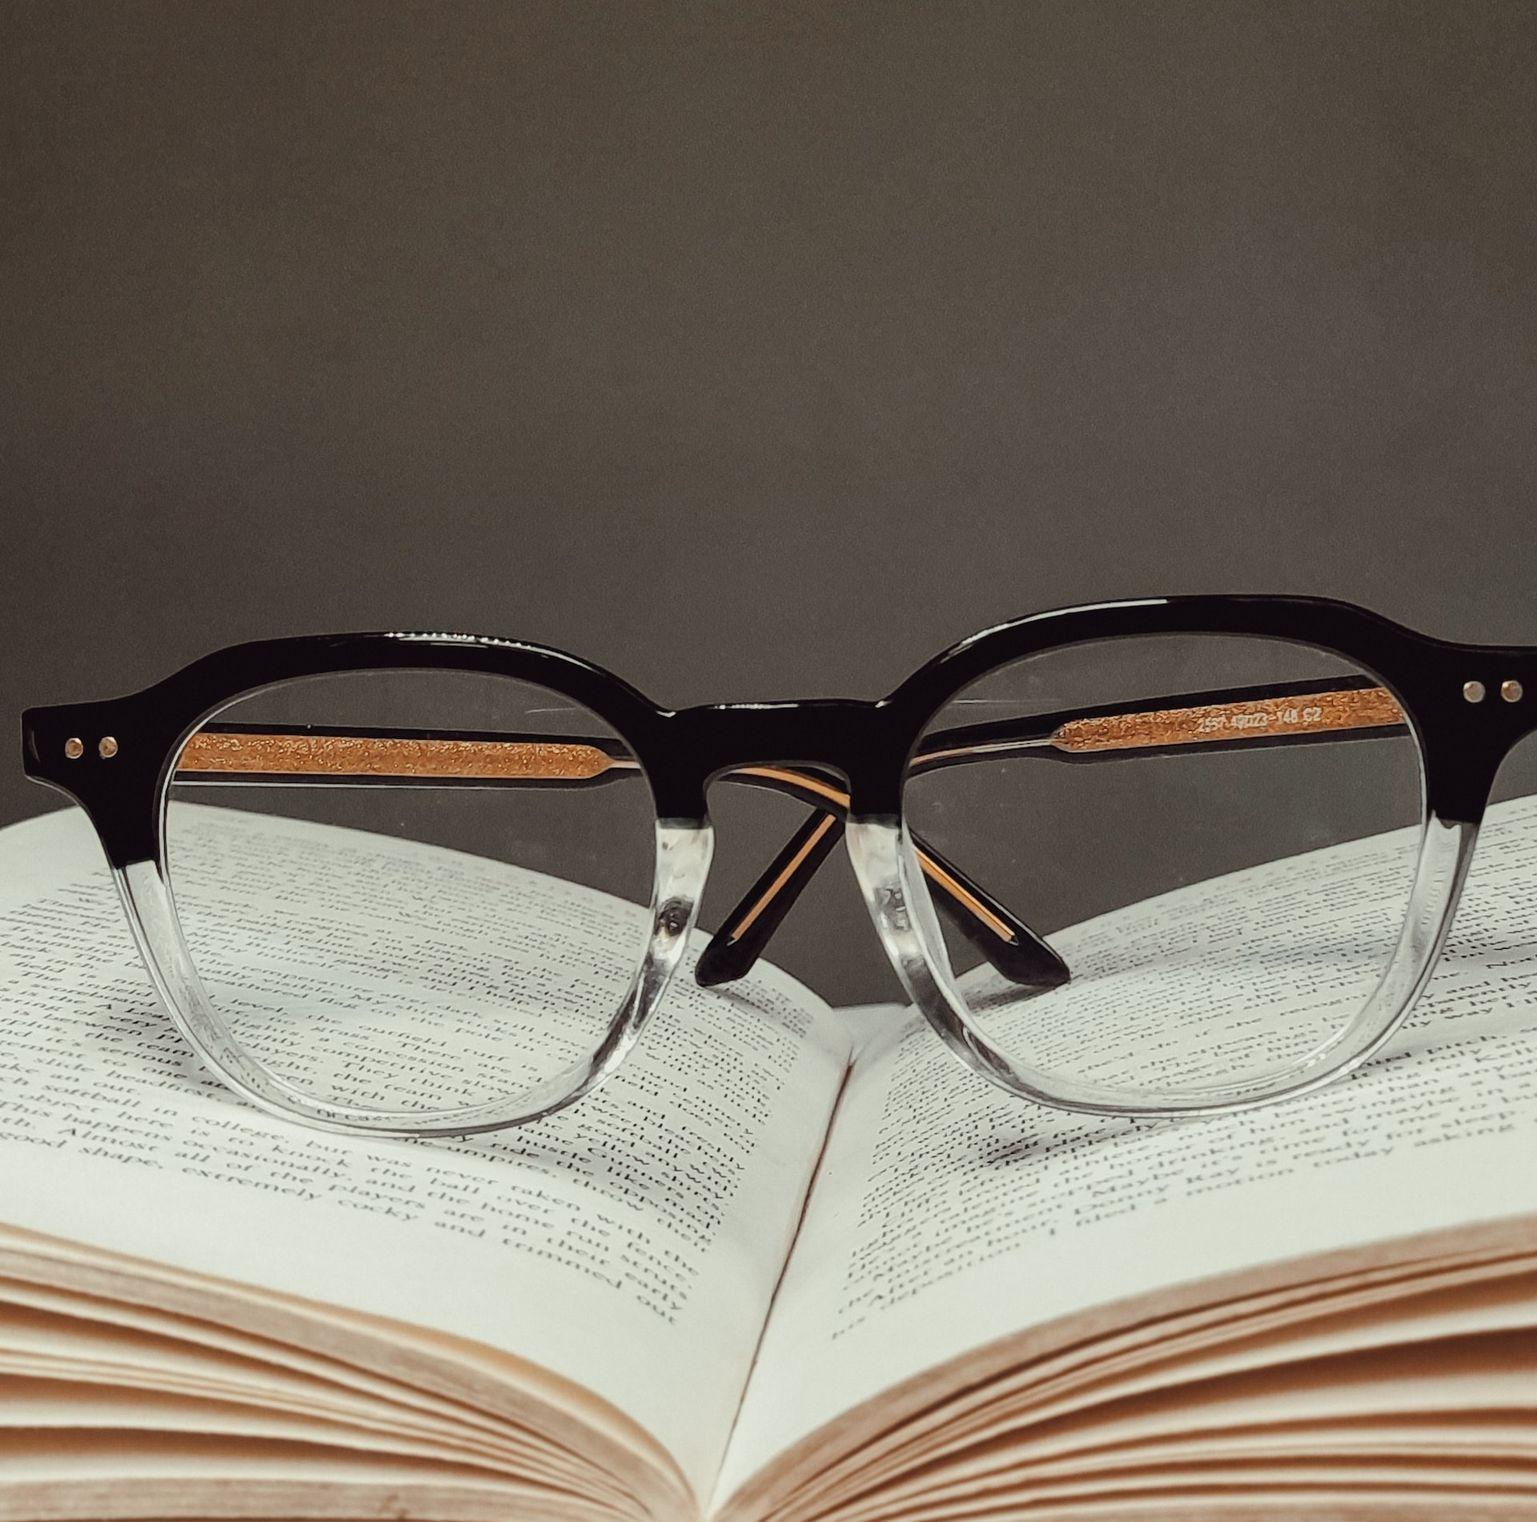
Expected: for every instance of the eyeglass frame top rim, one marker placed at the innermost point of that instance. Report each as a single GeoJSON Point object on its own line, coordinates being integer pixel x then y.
{"type": "Point", "coordinates": [868, 743]}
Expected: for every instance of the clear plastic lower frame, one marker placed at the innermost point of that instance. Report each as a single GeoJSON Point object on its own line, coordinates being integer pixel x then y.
{"type": "Point", "coordinates": [683, 851]}
{"type": "Point", "coordinates": [892, 884]}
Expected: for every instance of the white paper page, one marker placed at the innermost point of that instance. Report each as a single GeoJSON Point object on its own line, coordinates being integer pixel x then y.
{"type": "Point", "coordinates": [947, 1214]}
{"type": "Point", "coordinates": [630, 1243]}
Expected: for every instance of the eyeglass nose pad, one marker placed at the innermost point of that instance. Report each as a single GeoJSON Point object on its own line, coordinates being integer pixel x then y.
{"type": "Point", "coordinates": [891, 881]}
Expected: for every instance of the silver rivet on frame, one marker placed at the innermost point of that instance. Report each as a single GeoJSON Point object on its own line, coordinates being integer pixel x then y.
{"type": "Point", "coordinates": [1473, 691]}
{"type": "Point", "coordinates": [1511, 690]}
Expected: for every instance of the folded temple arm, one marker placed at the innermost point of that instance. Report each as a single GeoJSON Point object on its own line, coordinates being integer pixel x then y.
{"type": "Point", "coordinates": [1304, 712]}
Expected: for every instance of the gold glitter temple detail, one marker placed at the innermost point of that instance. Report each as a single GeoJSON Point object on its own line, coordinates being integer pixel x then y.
{"type": "Point", "coordinates": [1307, 714]}
{"type": "Point", "coordinates": [222, 753]}
{"type": "Point", "coordinates": [389, 756]}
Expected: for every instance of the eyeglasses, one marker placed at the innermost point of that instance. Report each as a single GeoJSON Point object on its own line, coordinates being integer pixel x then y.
{"type": "Point", "coordinates": [1170, 856]}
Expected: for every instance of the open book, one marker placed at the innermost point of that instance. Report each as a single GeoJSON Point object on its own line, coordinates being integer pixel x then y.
{"type": "Point", "coordinates": [786, 1264]}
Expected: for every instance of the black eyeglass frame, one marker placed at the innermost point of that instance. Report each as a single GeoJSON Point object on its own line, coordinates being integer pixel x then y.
{"type": "Point", "coordinates": [1467, 705]}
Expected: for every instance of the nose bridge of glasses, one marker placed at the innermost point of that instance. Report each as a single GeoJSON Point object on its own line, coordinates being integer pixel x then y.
{"type": "Point", "coordinates": [837, 748]}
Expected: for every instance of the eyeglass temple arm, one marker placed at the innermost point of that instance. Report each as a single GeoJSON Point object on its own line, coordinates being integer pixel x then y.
{"type": "Point", "coordinates": [1286, 713]}
{"type": "Point", "coordinates": [1342, 708]}
{"type": "Point", "coordinates": [350, 756]}
{"type": "Point", "coordinates": [1290, 713]}
{"type": "Point", "coordinates": [1004, 941]}
{"type": "Point", "coordinates": [1250, 716]}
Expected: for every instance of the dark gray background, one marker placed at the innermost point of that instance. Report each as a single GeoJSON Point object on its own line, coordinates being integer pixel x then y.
{"type": "Point", "coordinates": [753, 351]}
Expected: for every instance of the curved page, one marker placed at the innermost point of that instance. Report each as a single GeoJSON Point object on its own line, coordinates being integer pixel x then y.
{"type": "Point", "coordinates": [947, 1216]}
{"type": "Point", "coordinates": [630, 1244]}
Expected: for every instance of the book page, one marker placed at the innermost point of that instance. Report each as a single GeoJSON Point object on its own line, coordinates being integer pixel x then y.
{"type": "Point", "coordinates": [947, 1215]}
{"type": "Point", "coordinates": [630, 1244]}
